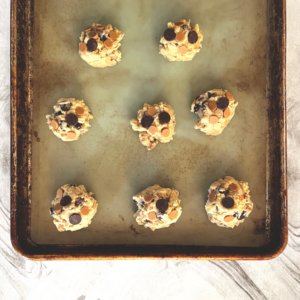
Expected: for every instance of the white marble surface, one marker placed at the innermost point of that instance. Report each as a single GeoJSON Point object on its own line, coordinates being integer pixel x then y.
{"type": "Point", "coordinates": [21, 278]}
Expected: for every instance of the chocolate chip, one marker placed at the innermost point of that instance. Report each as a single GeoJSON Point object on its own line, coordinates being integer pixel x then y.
{"type": "Point", "coordinates": [71, 119]}
{"type": "Point", "coordinates": [169, 34]}
{"type": "Point", "coordinates": [147, 121]}
{"type": "Point", "coordinates": [103, 38]}
{"type": "Point", "coordinates": [65, 201]}
{"type": "Point", "coordinates": [228, 202]}
{"type": "Point", "coordinates": [241, 217]}
{"type": "Point", "coordinates": [59, 113]}
{"type": "Point", "coordinates": [164, 118]}
{"type": "Point", "coordinates": [197, 107]}
{"type": "Point", "coordinates": [91, 45]}
{"type": "Point", "coordinates": [51, 211]}
{"type": "Point", "coordinates": [211, 95]}
{"type": "Point", "coordinates": [65, 106]}
{"type": "Point", "coordinates": [79, 201]}
{"type": "Point", "coordinates": [162, 205]}
{"type": "Point", "coordinates": [222, 103]}
{"type": "Point", "coordinates": [193, 37]}
{"type": "Point", "coordinates": [75, 219]}
{"type": "Point", "coordinates": [78, 126]}
{"type": "Point", "coordinates": [200, 105]}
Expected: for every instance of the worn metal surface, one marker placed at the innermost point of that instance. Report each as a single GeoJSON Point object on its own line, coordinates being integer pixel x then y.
{"type": "Point", "coordinates": [274, 237]}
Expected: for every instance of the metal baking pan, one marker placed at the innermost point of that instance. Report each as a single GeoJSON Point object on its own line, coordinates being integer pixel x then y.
{"type": "Point", "coordinates": [243, 51]}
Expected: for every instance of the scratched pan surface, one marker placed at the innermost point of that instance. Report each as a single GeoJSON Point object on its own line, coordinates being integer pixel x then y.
{"type": "Point", "coordinates": [109, 160]}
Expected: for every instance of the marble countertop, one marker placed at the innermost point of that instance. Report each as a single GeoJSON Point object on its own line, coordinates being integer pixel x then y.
{"type": "Point", "coordinates": [275, 279]}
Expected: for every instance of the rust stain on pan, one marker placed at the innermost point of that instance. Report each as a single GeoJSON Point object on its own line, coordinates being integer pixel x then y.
{"type": "Point", "coordinates": [21, 131]}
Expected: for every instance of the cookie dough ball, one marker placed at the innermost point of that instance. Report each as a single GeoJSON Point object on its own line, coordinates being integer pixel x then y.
{"type": "Point", "coordinates": [70, 119]}
{"type": "Point", "coordinates": [155, 123]}
{"type": "Point", "coordinates": [157, 207]}
{"type": "Point", "coordinates": [215, 109]}
{"type": "Point", "coordinates": [99, 45]}
{"type": "Point", "coordinates": [228, 202]}
{"type": "Point", "coordinates": [180, 41]}
{"type": "Point", "coordinates": [73, 208]}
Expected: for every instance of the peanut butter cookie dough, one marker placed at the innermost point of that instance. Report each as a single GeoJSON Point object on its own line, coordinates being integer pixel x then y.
{"type": "Point", "coordinates": [70, 119]}
{"type": "Point", "coordinates": [73, 208]}
{"type": "Point", "coordinates": [155, 123]}
{"type": "Point", "coordinates": [157, 207]}
{"type": "Point", "coordinates": [99, 45]}
{"type": "Point", "coordinates": [228, 202]}
{"type": "Point", "coordinates": [180, 41]}
{"type": "Point", "coordinates": [215, 109]}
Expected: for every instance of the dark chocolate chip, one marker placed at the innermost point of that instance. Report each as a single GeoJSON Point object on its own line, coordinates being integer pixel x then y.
{"type": "Point", "coordinates": [211, 95]}
{"type": "Point", "coordinates": [164, 118]}
{"type": "Point", "coordinates": [176, 44]}
{"type": "Point", "coordinates": [147, 121]}
{"type": "Point", "coordinates": [71, 119]}
{"type": "Point", "coordinates": [228, 202]}
{"type": "Point", "coordinates": [91, 45]}
{"type": "Point", "coordinates": [162, 205]}
{"type": "Point", "coordinates": [169, 34]}
{"type": "Point", "coordinates": [193, 37]}
{"type": "Point", "coordinates": [51, 211]}
{"type": "Point", "coordinates": [75, 219]}
{"type": "Point", "coordinates": [147, 221]}
{"type": "Point", "coordinates": [241, 217]}
{"type": "Point", "coordinates": [59, 113]}
{"type": "Point", "coordinates": [197, 107]}
{"type": "Point", "coordinates": [65, 201]}
{"type": "Point", "coordinates": [200, 105]}
{"type": "Point", "coordinates": [103, 38]}
{"type": "Point", "coordinates": [78, 126]}
{"type": "Point", "coordinates": [79, 201]}
{"type": "Point", "coordinates": [222, 103]}
{"type": "Point", "coordinates": [65, 106]}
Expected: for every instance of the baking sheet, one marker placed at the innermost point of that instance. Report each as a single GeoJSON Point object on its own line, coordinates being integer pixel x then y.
{"type": "Point", "coordinates": [109, 160]}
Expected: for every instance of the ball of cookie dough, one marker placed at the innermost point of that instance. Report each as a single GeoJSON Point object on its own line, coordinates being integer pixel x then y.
{"type": "Point", "coordinates": [99, 45]}
{"type": "Point", "coordinates": [73, 208]}
{"type": "Point", "coordinates": [228, 202]}
{"type": "Point", "coordinates": [181, 41]}
{"type": "Point", "coordinates": [70, 119]}
{"type": "Point", "coordinates": [157, 207]}
{"type": "Point", "coordinates": [215, 109]}
{"type": "Point", "coordinates": [155, 123]}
